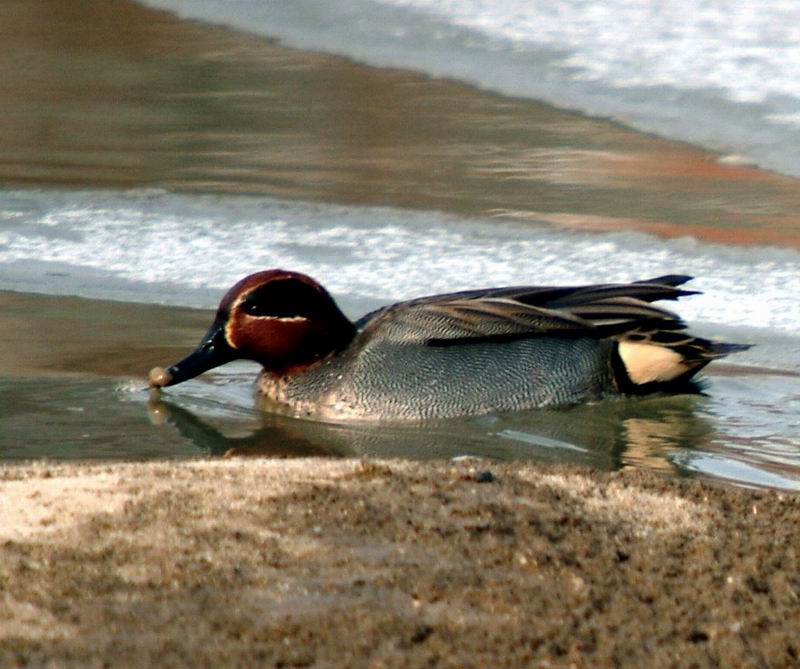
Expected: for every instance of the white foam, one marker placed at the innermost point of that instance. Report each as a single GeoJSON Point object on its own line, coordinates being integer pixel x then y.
{"type": "Point", "coordinates": [788, 119]}
{"type": "Point", "coordinates": [172, 248]}
{"type": "Point", "coordinates": [749, 49]}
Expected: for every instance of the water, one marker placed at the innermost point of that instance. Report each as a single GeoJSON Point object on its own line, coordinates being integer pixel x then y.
{"type": "Point", "coordinates": [143, 247]}
{"type": "Point", "coordinates": [724, 75]}
{"type": "Point", "coordinates": [219, 154]}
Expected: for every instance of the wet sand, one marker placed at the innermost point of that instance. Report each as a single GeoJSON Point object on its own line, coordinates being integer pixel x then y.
{"type": "Point", "coordinates": [57, 336]}
{"type": "Point", "coordinates": [321, 563]}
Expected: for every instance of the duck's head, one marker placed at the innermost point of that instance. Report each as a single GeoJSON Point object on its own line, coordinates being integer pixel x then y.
{"type": "Point", "coordinates": [284, 320]}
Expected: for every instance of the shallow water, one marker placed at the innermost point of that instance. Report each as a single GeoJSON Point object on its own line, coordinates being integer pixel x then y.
{"type": "Point", "coordinates": [221, 154]}
{"type": "Point", "coordinates": [108, 94]}
{"type": "Point", "coordinates": [723, 434]}
{"type": "Point", "coordinates": [84, 396]}
{"type": "Point", "coordinates": [147, 246]}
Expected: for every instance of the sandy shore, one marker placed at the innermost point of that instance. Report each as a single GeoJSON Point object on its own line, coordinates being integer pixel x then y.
{"type": "Point", "coordinates": [325, 563]}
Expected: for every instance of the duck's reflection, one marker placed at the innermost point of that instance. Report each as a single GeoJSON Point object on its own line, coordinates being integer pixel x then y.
{"type": "Point", "coordinates": [610, 434]}
{"type": "Point", "coordinates": [267, 441]}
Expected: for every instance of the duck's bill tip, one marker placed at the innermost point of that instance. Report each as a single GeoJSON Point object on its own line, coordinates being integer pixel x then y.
{"type": "Point", "coordinates": [212, 352]}
{"type": "Point", "coordinates": [159, 377]}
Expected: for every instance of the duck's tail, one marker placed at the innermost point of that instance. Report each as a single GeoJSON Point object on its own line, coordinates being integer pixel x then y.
{"type": "Point", "coordinates": [659, 360]}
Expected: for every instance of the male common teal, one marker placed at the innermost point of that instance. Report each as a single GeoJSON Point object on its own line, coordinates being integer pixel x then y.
{"type": "Point", "coordinates": [471, 352]}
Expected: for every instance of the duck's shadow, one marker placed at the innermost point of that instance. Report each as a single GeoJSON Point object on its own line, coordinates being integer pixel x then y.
{"type": "Point", "coordinates": [607, 434]}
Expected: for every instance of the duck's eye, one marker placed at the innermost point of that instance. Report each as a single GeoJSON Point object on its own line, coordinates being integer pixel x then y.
{"type": "Point", "coordinates": [284, 298]}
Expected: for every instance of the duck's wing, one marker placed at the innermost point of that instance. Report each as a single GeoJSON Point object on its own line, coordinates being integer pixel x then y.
{"type": "Point", "coordinates": [504, 314]}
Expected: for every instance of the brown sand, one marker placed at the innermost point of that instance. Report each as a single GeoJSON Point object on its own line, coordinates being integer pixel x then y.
{"type": "Point", "coordinates": [323, 563]}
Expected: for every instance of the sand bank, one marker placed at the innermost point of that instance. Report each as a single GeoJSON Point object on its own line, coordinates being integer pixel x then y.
{"type": "Point", "coordinates": [325, 563]}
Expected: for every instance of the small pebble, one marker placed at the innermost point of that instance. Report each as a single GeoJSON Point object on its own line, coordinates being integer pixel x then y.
{"type": "Point", "coordinates": [159, 377]}
{"type": "Point", "coordinates": [484, 477]}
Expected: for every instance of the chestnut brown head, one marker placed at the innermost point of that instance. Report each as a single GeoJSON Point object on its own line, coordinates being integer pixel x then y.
{"type": "Point", "coordinates": [284, 320]}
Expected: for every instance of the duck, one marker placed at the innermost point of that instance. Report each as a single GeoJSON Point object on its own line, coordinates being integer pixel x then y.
{"type": "Point", "coordinates": [464, 353]}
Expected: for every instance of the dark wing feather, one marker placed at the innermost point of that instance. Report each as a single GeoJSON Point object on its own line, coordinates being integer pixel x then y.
{"type": "Point", "coordinates": [501, 314]}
